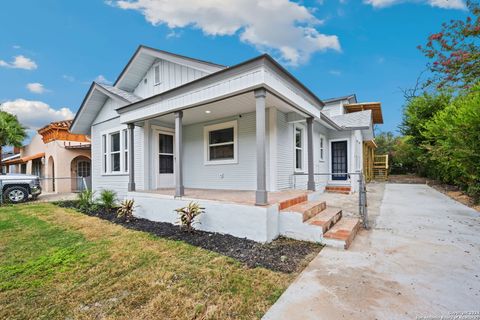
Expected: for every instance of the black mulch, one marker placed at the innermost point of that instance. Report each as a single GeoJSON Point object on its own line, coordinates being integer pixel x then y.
{"type": "Point", "coordinates": [283, 254]}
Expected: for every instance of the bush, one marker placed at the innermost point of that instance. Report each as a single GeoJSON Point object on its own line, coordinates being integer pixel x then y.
{"type": "Point", "coordinates": [188, 214]}
{"type": "Point", "coordinates": [126, 209]}
{"type": "Point", "coordinates": [86, 200]}
{"type": "Point", "coordinates": [108, 199]}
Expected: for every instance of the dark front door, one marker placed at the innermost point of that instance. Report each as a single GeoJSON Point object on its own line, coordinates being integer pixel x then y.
{"type": "Point", "coordinates": [339, 160]}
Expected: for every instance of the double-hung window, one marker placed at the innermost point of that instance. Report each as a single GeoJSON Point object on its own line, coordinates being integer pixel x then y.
{"type": "Point", "coordinates": [115, 148]}
{"type": "Point", "coordinates": [221, 143]}
{"type": "Point", "coordinates": [299, 148]}
{"type": "Point", "coordinates": [322, 148]}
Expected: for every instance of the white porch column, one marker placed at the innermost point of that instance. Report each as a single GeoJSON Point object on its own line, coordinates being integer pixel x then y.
{"type": "Point", "coordinates": [131, 157]}
{"type": "Point", "coordinates": [311, 177]}
{"type": "Point", "coordinates": [179, 190]}
{"type": "Point", "coordinates": [261, 197]}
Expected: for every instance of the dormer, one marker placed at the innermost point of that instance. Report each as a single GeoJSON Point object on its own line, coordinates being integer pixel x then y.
{"type": "Point", "coordinates": [336, 106]}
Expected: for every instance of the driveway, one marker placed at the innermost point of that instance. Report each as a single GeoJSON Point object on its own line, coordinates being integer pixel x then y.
{"type": "Point", "coordinates": [421, 258]}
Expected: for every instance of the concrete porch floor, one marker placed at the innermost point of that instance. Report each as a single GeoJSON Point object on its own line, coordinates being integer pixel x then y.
{"type": "Point", "coordinates": [236, 196]}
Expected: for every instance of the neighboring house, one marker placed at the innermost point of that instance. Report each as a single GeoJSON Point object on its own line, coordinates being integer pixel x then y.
{"type": "Point", "coordinates": [60, 158]}
{"type": "Point", "coordinates": [242, 140]}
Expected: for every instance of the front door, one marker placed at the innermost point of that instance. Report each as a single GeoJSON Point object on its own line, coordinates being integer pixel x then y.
{"type": "Point", "coordinates": [339, 160]}
{"type": "Point", "coordinates": [165, 160]}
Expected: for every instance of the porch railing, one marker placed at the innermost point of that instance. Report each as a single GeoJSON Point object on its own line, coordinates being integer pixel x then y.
{"type": "Point", "coordinates": [362, 189]}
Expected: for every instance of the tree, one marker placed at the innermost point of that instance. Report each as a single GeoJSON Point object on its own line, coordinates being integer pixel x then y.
{"type": "Point", "coordinates": [455, 51]}
{"type": "Point", "coordinates": [12, 133]}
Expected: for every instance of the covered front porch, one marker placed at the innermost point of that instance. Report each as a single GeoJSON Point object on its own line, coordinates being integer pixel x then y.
{"type": "Point", "coordinates": [226, 150]}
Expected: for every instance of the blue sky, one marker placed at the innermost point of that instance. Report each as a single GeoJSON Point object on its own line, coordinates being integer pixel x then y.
{"type": "Point", "coordinates": [50, 51]}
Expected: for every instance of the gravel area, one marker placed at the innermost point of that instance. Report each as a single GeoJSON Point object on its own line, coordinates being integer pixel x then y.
{"type": "Point", "coordinates": [283, 254]}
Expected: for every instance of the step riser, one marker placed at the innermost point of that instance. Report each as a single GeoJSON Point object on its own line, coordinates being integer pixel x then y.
{"type": "Point", "coordinates": [291, 202]}
{"type": "Point", "coordinates": [342, 237]}
{"type": "Point", "coordinates": [313, 211]}
{"type": "Point", "coordinates": [326, 225]}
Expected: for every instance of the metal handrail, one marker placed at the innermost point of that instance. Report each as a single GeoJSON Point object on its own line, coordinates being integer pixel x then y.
{"type": "Point", "coordinates": [362, 192]}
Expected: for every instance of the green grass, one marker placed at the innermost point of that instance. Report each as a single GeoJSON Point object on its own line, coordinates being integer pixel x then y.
{"type": "Point", "coordinates": [56, 263]}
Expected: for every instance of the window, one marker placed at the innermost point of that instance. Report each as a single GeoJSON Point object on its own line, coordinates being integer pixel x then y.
{"type": "Point", "coordinates": [104, 153]}
{"type": "Point", "coordinates": [115, 152]}
{"type": "Point", "coordinates": [125, 150]}
{"type": "Point", "coordinates": [165, 153]}
{"type": "Point", "coordinates": [322, 148]}
{"type": "Point", "coordinates": [221, 143]}
{"type": "Point", "coordinates": [156, 74]}
{"type": "Point", "coordinates": [298, 148]}
{"type": "Point", "coordinates": [115, 147]}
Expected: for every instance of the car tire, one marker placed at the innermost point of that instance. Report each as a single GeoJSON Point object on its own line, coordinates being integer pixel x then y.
{"type": "Point", "coordinates": [15, 195]}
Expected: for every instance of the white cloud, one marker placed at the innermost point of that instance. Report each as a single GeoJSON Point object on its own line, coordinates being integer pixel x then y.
{"type": "Point", "coordinates": [101, 79]}
{"type": "Point", "coordinates": [285, 28]}
{"type": "Point", "coordinates": [68, 78]}
{"type": "Point", "coordinates": [16, 46]}
{"type": "Point", "coordinates": [445, 4]}
{"type": "Point", "coordinates": [35, 114]}
{"type": "Point", "coordinates": [335, 72]}
{"type": "Point", "coordinates": [20, 62]}
{"type": "Point", "coordinates": [36, 87]}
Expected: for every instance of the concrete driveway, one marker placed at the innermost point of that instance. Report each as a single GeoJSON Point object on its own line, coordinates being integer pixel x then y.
{"type": "Point", "coordinates": [421, 258]}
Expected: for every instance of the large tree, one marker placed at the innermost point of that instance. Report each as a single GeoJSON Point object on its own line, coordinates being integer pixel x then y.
{"type": "Point", "coordinates": [455, 51]}
{"type": "Point", "coordinates": [12, 133]}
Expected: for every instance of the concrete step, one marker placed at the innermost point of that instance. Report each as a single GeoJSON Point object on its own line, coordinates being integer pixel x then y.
{"type": "Point", "coordinates": [342, 233]}
{"type": "Point", "coordinates": [291, 202]}
{"type": "Point", "coordinates": [327, 218]}
{"type": "Point", "coordinates": [308, 209]}
{"type": "Point", "coordinates": [339, 189]}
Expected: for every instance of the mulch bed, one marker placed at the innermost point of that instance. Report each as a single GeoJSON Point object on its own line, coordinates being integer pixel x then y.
{"type": "Point", "coordinates": [284, 255]}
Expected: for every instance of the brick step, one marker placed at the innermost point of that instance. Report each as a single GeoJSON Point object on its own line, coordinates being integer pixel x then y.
{"type": "Point", "coordinates": [308, 209]}
{"type": "Point", "coordinates": [327, 218]}
{"type": "Point", "coordinates": [338, 189]}
{"type": "Point", "coordinates": [291, 202]}
{"type": "Point", "coordinates": [342, 233]}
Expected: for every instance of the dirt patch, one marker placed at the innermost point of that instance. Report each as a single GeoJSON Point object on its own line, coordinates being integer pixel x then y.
{"type": "Point", "coordinates": [283, 254]}
{"type": "Point", "coordinates": [452, 191]}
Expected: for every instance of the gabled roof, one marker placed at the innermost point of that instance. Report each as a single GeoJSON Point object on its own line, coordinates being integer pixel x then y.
{"type": "Point", "coordinates": [348, 97]}
{"type": "Point", "coordinates": [144, 57]}
{"type": "Point", "coordinates": [130, 97]}
{"type": "Point", "coordinates": [355, 120]}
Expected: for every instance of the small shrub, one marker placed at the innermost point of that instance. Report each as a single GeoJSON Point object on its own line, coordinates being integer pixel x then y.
{"type": "Point", "coordinates": [188, 214]}
{"type": "Point", "coordinates": [85, 200]}
{"type": "Point", "coordinates": [126, 209]}
{"type": "Point", "coordinates": [108, 199]}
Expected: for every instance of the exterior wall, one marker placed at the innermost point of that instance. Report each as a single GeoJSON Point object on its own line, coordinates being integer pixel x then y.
{"type": "Point", "coordinates": [117, 182]}
{"type": "Point", "coordinates": [334, 109]}
{"type": "Point", "coordinates": [173, 75]}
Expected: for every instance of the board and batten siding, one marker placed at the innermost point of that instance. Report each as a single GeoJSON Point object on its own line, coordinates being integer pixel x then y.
{"type": "Point", "coordinates": [115, 182]}
{"type": "Point", "coordinates": [239, 176]}
{"type": "Point", "coordinates": [285, 165]}
{"type": "Point", "coordinates": [171, 75]}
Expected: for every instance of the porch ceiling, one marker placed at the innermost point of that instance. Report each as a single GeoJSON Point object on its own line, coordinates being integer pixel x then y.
{"type": "Point", "coordinates": [229, 107]}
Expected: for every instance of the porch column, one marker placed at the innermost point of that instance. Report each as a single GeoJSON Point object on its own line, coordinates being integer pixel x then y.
{"type": "Point", "coordinates": [131, 157]}
{"type": "Point", "coordinates": [179, 190]}
{"type": "Point", "coordinates": [261, 197]}
{"type": "Point", "coordinates": [311, 178]}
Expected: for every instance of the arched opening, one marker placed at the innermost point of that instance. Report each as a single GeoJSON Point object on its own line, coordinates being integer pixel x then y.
{"type": "Point", "coordinates": [51, 175]}
{"type": "Point", "coordinates": [80, 169]}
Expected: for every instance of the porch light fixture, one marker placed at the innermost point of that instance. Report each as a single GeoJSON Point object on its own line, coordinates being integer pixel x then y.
{"type": "Point", "coordinates": [208, 111]}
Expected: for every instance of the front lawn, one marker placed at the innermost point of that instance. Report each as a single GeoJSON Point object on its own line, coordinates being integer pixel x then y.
{"type": "Point", "coordinates": [58, 263]}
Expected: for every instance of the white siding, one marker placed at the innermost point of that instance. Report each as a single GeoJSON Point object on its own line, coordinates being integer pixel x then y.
{"type": "Point", "coordinates": [240, 176]}
{"type": "Point", "coordinates": [117, 182]}
{"type": "Point", "coordinates": [107, 111]}
{"type": "Point", "coordinates": [284, 152]}
{"type": "Point", "coordinates": [171, 75]}
{"type": "Point", "coordinates": [335, 109]}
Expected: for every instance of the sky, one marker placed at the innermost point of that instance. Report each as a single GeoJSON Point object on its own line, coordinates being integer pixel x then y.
{"type": "Point", "coordinates": [51, 50]}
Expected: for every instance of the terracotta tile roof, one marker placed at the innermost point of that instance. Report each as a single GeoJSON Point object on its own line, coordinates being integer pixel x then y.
{"type": "Point", "coordinates": [64, 124]}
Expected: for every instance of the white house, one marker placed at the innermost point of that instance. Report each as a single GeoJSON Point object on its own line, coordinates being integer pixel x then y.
{"type": "Point", "coordinates": [246, 141]}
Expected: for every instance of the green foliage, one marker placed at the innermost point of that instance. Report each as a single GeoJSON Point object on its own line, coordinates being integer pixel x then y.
{"type": "Point", "coordinates": [126, 209]}
{"type": "Point", "coordinates": [108, 199]}
{"type": "Point", "coordinates": [12, 133]}
{"type": "Point", "coordinates": [188, 214]}
{"type": "Point", "coordinates": [86, 200]}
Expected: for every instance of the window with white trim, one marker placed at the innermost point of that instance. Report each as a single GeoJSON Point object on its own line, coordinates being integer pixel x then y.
{"type": "Point", "coordinates": [115, 148]}
{"type": "Point", "coordinates": [157, 74]}
{"type": "Point", "coordinates": [221, 143]}
{"type": "Point", "coordinates": [298, 148]}
{"type": "Point", "coordinates": [322, 148]}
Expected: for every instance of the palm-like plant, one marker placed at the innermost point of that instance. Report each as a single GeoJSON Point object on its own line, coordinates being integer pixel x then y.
{"type": "Point", "coordinates": [12, 133]}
